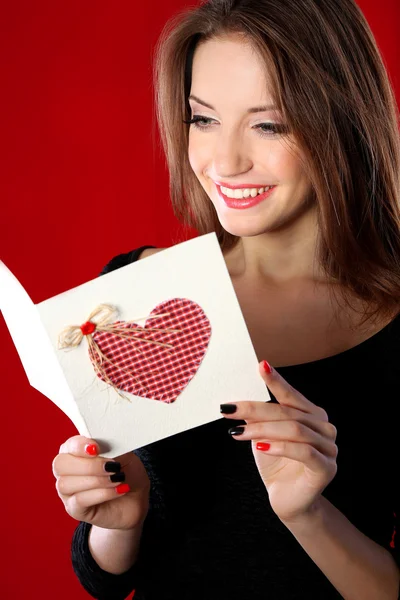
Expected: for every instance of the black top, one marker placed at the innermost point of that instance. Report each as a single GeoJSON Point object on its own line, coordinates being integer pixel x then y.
{"type": "Point", "coordinates": [211, 533]}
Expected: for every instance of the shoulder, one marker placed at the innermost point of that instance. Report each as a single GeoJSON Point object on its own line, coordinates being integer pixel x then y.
{"type": "Point", "coordinates": [121, 260]}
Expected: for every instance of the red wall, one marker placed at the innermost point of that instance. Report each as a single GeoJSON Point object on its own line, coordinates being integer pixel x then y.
{"type": "Point", "coordinates": [79, 182]}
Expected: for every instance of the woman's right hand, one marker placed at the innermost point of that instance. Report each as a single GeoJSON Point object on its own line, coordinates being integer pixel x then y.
{"type": "Point", "coordinates": [88, 494]}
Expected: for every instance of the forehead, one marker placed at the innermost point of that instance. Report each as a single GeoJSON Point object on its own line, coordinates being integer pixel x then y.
{"type": "Point", "coordinates": [229, 64]}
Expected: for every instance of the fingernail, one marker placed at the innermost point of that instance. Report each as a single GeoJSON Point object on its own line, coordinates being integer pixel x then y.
{"type": "Point", "coordinates": [263, 446]}
{"type": "Point", "coordinates": [267, 367]}
{"type": "Point", "coordinates": [123, 488]}
{"type": "Point", "coordinates": [112, 467]}
{"type": "Point", "coordinates": [228, 409]}
{"type": "Point", "coordinates": [236, 430]}
{"type": "Point", "coordinates": [91, 449]}
{"type": "Point", "coordinates": [117, 477]}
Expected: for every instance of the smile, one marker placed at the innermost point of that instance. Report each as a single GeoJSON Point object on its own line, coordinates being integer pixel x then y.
{"type": "Point", "coordinates": [241, 201]}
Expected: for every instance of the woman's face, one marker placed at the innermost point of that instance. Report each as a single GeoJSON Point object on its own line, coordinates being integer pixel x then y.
{"type": "Point", "coordinates": [232, 148]}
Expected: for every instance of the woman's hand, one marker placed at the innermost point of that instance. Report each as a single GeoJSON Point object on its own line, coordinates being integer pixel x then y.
{"type": "Point", "coordinates": [299, 459]}
{"type": "Point", "coordinates": [84, 483]}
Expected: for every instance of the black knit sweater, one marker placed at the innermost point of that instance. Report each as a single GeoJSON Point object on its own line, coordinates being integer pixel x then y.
{"type": "Point", "coordinates": [211, 533]}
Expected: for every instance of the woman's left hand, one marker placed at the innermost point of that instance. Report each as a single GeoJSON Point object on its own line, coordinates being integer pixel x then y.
{"type": "Point", "coordinates": [301, 457]}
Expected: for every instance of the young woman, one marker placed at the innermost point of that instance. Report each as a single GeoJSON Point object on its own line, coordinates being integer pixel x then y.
{"type": "Point", "coordinates": [299, 499]}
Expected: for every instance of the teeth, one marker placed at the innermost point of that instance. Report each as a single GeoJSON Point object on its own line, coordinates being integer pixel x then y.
{"type": "Point", "coordinates": [245, 193]}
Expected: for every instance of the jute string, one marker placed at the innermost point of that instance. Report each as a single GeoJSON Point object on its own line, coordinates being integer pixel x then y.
{"type": "Point", "coordinates": [102, 319]}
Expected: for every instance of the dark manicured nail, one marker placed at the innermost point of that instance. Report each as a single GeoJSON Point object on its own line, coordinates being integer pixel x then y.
{"type": "Point", "coordinates": [236, 430]}
{"type": "Point", "coordinates": [112, 467]}
{"type": "Point", "coordinates": [228, 409]}
{"type": "Point", "coordinates": [117, 477]}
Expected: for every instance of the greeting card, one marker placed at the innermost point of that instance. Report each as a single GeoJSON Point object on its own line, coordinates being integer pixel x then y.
{"type": "Point", "coordinates": [141, 353]}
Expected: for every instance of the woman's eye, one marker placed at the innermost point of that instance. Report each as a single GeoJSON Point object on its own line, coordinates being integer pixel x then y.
{"type": "Point", "coordinates": [271, 127]}
{"type": "Point", "coordinates": [264, 129]}
{"type": "Point", "coordinates": [197, 119]}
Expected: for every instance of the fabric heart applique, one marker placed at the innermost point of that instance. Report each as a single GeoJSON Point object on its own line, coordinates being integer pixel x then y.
{"type": "Point", "coordinates": [157, 371]}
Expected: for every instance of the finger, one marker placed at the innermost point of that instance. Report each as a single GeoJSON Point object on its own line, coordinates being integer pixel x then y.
{"type": "Point", "coordinates": [79, 445]}
{"type": "Point", "coordinates": [252, 412]}
{"type": "Point", "coordinates": [291, 431]}
{"type": "Point", "coordinates": [66, 485]}
{"type": "Point", "coordinates": [286, 394]}
{"type": "Point", "coordinates": [68, 464]}
{"type": "Point", "coordinates": [82, 505]}
{"type": "Point", "coordinates": [82, 446]}
{"type": "Point", "coordinates": [303, 453]}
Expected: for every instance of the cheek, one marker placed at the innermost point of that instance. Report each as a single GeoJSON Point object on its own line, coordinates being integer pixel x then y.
{"type": "Point", "coordinates": [285, 163]}
{"type": "Point", "coordinates": [289, 160]}
{"type": "Point", "coordinates": [192, 156]}
{"type": "Point", "coordinates": [192, 159]}
{"type": "Point", "coordinates": [198, 151]}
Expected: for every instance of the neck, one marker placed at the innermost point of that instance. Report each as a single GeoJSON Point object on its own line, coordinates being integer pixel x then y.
{"type": "Point", "coordinates": [279, 257]}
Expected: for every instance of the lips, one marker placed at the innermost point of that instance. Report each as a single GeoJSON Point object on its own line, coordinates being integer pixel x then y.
{"type": "Point", "coordinates": [241, 203]}
{"type": "Point", "coordinates": [243, 186]}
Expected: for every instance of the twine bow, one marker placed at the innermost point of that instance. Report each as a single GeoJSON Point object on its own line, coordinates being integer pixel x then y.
{"type": "Point", "coordinates": [102, 319]}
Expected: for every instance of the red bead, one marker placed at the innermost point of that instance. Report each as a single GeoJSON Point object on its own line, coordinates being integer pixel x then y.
{"type": "Point", "coordinates": [88, 327]}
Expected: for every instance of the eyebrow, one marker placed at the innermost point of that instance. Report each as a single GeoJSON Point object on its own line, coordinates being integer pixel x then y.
{"type": "Point", "coordinates": [255, 109]}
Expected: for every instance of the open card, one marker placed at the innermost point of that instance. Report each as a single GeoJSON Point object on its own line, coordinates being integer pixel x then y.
{"type": "Point", "coordinates": [143, 352]}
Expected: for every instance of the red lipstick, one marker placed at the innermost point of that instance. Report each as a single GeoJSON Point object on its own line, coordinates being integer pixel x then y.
{"type": "Point", "coordinates": [242, 186]}
{"type": "Point", "coordinates": [244, 202]}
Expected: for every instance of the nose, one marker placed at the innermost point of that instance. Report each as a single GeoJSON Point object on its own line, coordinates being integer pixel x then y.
{"type": "Point", "coordinates": [231, 157]}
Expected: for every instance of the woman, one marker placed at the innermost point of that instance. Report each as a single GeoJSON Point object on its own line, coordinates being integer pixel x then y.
{"type": "Point", "coordinates": [299, 500]}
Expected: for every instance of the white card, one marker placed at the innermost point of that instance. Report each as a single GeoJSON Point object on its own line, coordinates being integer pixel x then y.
{"type": "Point", "coordinates": [194, 272]}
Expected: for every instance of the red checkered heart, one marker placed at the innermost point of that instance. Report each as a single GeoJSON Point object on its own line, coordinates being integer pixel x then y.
{"type": "Point", "coordinates": [153, 371]}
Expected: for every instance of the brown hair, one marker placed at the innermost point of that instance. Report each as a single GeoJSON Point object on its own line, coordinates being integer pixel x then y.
{"type": "Point", "coordinates": [329, 81]}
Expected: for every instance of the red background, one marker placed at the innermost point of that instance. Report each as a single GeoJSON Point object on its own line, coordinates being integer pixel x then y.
{"type": "Point", "coordinates": [78, 160]}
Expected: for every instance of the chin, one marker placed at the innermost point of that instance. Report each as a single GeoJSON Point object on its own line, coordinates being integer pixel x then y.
{"type": "Point", "coordinates": [245, 228]}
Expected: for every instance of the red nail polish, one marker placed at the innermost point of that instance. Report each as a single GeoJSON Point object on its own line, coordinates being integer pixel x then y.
{"type": "Point", "coordinates": [91, 449]}
{"type": "Point", "coordinates": [263, 446]}
{"type": "Point", "coordinates": [267, 367]}
{"type": "Point", "coordinates": [123, 488]}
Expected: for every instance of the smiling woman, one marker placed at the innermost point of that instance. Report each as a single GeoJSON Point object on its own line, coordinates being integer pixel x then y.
{"type": "Point", "coordinates": [280, 130]}
{"type": "Point", "coordinates": [339, 154]}
{"type": "Point", "coordinates": [237, 147]}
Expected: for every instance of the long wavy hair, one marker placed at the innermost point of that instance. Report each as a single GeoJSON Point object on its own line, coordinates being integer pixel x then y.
{"type": "Point", "coordinates": [330, 83]}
